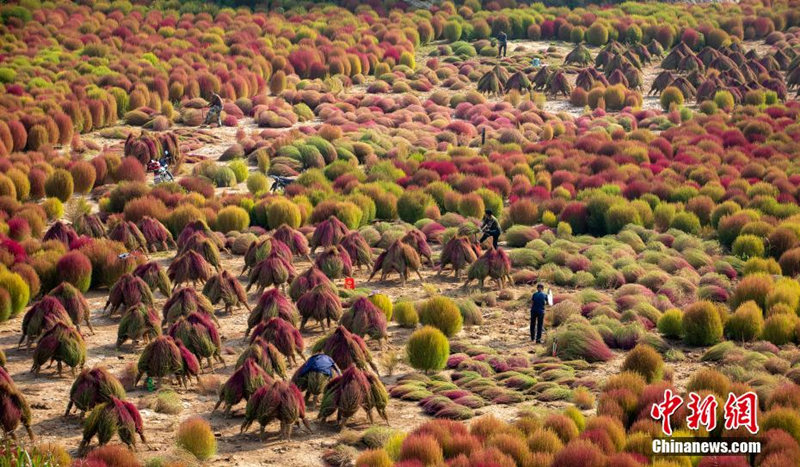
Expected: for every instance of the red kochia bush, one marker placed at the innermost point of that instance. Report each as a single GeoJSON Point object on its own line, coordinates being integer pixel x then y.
{"type": "Point", "coordinates": [75, 268]}
{"type": "Point", "coordinates": [130, 169]}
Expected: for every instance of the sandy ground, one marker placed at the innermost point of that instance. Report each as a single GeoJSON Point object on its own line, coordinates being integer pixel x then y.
{"type": "Point", "coordinates": [505, 329]}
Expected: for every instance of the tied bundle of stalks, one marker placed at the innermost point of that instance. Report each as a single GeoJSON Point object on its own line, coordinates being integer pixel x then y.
{"type": "Point", "coordinates": [493, 264]}
{"type": "Point", "coordinates": [458, 253]}
{"type": "Point", "coordinates": [92, 387]}
{"type": "Point", "coordinates": [199, 334]}
{"type": "Point", "coordinates": [199, 226]}
{"type": "Point", "coordinates": [559, 84]}
{"type": "Point", "coordinates": [127, 233]}
{"type": "Point", "coordinates": [492, 82]}
{"type": "Point", "coordinates": [227, 289]}
{"type": "Point", "coordinates": [417, 240]}
{"type": "Point", "coordinates": [262, 248]}
{"type": "Point", "coordinates": [148, 146]}
{"type": "Point", "coordinates": [322, 304]}
{"type": "Point", "coordinates": [541, 78]}
{"type": "Point", "coordinates": [314, 375]}
{"type": "Point", "coordinates": [306, 281]}
{"type": "Point", "coordinates": [156, 236]}
{"type": "Point", "coordinates": [189, 267]}
{"type": "Point", "coordinates": [139, 322]}
{"type": "Point", "coordinates": [580, 55]}
{"type": "Point", "coordinates": [204, 246]}
{"type": "Point", "coordinates": [587, 78]}
{"type": "Point", "coordinates": [272, 271]}
{"type": "Point", "coordinates": [346, 349]}
{"type": "Point", "coordinates": [328, 233]}
{"type": "Point", "coordinates": [42, 316]}
{"type": "Point", "coordinates": [272, 304]}
{"type": "Point", "coordinates": [90, 225]}
{"type": "Point", "coordinates": [190, 365]}
{"type": "Point", "coordinates": [74, 302]}
{"type": "Point", "coordinates": [127, 292]}
{"type": "Point", "coordinates": [242, 384]}
{"type": "Point", "coordinates": [352, 390]}
{"type": "Point", "coordinates": [16, 410]}
{"type": "Point", "coordinates": [266, 355]}
{"type": "Point", "coordinates": [400, 258]}
{"type": "Point", "coordinates": [280, 401]}
{"type": "Point", "coordinates": [286, 338]}
{"type": "Point", "coordinates": [365, 319]}
{"type": "Point", "coordinates": [294, 239]}
{"type": "Point", "coordinates": [359, 250]}
{"type": "Point", "coordinates": [154, 276]}
{"type": "Point", "coordinates": [184, 302]}
{"type": "Point", "coordinates": [519, 81]}
{"type": "Point", "coordinates": [62, 343]}
{"type": "Point", "coordinates": [61, 232]}
{"type": "Point", "coordinates": [160, 358]}
{"type": "Point", "coordinates": [109, 418]}
{"type": "Point", "coordinates": [334, 262]}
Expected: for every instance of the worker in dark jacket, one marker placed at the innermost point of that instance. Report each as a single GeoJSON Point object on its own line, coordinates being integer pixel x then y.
{"type": "Point", "coordinates": [215, 111]}
{"type": "Point", "coordinates": [538, 303]}
{"type": "Point", "coordinates": [502, 44]}
{"type": "Point", "coordinates": [490, 227]}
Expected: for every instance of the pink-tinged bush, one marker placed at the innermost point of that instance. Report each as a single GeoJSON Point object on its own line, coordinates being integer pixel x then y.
{"type": "Point", "coordinates": [76, 269]}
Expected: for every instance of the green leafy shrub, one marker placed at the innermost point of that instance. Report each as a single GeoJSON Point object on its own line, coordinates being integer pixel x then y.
{"type": "Point", "coordinates": [282, 211]}
{"type": "Point", "coordinates": [428, 349]}
{"type": "Point", "coordinates": [671, 96]}
{"type": "Point", "coordinates": [442, 313]}
{"type": "Point", "coordinates": [196, 436]}
{"type": "Point", "coordinates": [748, 246]}
{"type": "Point", "coordinates": [405, 314]}
{"type": "Point", "coordinates": [412, 204]}
{"type": "Point", "coordinates": [644, 360]}
{"type": "Point", "coordinates": [670, 323]}
{"type": "Point", "coordinates": [701, 324]}
{"type": "Point", "coordinates": [746, 323]}
{"type": "Point", "coordinates": [779, 329]}
{"type": "Point", "coordinates": [232, 218]}
{"type": "Point", "coordinates": [383, 303]}
{"type": "Point", "coordinates": [59, 185]}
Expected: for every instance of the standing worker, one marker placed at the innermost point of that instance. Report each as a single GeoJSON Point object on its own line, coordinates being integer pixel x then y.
{"type": "Point", "coordinates": [490, 228]}
{"type": "Point", "coordinates": [538, 302]}
{"type": "Point", "coordinates": [215, 111]}
{"type": "Point", "coordinates": [502, 44]}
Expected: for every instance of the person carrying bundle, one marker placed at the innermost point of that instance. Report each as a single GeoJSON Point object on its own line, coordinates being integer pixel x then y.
{"type": "Point", "coordinates": [490, 228]}
{"type": "Point", "coordinates": [215, 111]}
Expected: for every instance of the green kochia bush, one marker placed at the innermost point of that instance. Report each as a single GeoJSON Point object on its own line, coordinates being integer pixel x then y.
{"type": "Point", "coordinates": [405, 314]}
{"type": "Point", "coordinates": [748, 246]}
{"type": "Point", "coordinates": [670, 323]}
{"type": "Point", "coordinates": [442, 313]}
{"type": "Point", "coordinates": [701, 324]}
{"type": "Point", "coordinates": [746, 323]}
{"type": "Point", "coordinates": [283, 211]}
{"type": "Point", "coordinates": [232, 218]}
{"type": "Point", "coordinates": [427, 349]}
{"type": "Point", "coordinates": [411, 205]}
{"type": "Point", "coordinates": [644, 360]}
{"type": "Point", "coordinates": [59, 185]}
{"type": "Point", "coordinates": [779, 329]}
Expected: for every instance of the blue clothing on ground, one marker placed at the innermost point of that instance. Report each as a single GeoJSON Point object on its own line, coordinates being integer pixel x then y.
{"type": "Point", "coordinates": [319, 363]}
{"type": "Point", "coordinates": [539, 301]}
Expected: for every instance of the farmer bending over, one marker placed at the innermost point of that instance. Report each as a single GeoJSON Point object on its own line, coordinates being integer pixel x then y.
{"type": "Point", "coordinates": [215, 111]}
{"type": "Point", "coordinates": [502, 44]}
{"type": "Point", "coordinates": [538, 303]}
{"type": "Point", "coordinates": [490, 227]}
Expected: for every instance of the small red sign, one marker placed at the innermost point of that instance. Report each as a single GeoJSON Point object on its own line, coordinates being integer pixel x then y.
{"type": "Point", "coordinates": [349, 283]}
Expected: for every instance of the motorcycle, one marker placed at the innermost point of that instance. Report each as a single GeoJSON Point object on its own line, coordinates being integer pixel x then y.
{"type": "Point", "coordinates": [160, 170]}
{"type": "Point", "coordinates": [280, 183]}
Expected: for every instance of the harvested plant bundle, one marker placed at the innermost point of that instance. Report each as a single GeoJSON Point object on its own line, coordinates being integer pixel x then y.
{"type": "Point", "coordinates": [493, 264]}
{"type": "Point", "coordinates": [199, 334]}
{"type": "Point", "coordinates": [93, 386]}
{"type": "Point", "coordinates": [359, 250]}
{"type": "Point", "coordinates": [294, 239]}
{"type": "Point", "coordinates": [365, 319]}
{"type": "Point", "coordinates": [202, 245]}
{"type": "Point", "coordinates": [280, 401]}
{"type": "Point", "coordinates": [458, 252]}
{"type": "Point", "coordinates": [322, 304]}
{"type": "Point", "coordinates": [242, 384]}
{"type": "Point", "coordinates": [154, 276]}
{"type": "Point", "coordinates": [127, 292]}
{"type": "Point", "coordinates": [417, 240]}
{"type": "Point", "coordinates": [127, 233]}
{"type": "Point", "coordinates": [335, 262]}
{"type": "Point", "coordinates": [156, 236]}
{"type": "Point", "coordinates": [281, 333]}
{"type": "Point", "coordinates": [400, 258]}
{"type": "Point", "coordinates": [266, 355]}
{"type": "Point", "coordinates": [42, 316]}
{"type": "Point", "coordinates": [353, 389]}
{"type": "Point", "coordinates": [272, 271]}
{"type": "Point", "coordinates": [226, 288]}
{"type": "Point", "coordinates": [189, 267]}
{"type": "Point", "coordinates": [160, 358]}
{"type": "Point", "coordinates": [62, 343]}
{"type": "Point", "coordinates": [184, 302]}
{"type": "Point", "coordinates": [329, 232]}
{"type": "Point", "coordinates": [306, 281]}
{"type": "Point", "coordinates": [272, 304]}
{"type": "Point", "coordinates": [346, 349]}
{"type": "Point", "coordinates": [110, 418]}
{"type": "Point", "coordinates": [139, 322]}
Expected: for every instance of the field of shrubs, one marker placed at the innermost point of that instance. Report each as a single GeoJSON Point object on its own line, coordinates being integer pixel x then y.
{"type": "Point", "coordinates": [643, 160]}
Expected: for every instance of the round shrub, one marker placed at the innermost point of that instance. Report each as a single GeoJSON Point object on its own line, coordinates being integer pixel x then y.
{"type": "Point", "coordinates": [74, 267]}
{"type": "Point", "coordinates": [724, 100]}
{"type": "Point", "coordinates": [620, 215]}
{"type": "Point", "coordinates": [53, 207]}
{"type": "Point", "coordinates": [471, 205]}
{"type": "Point", "coordinates": [411, 205]}
{"type": "Point", "coordinates": [17, 289]}
{"type": "Point", "coordinates": [452, 31]}
{"type": "Point", "coordinates": [442, 313]}
{"type": "Point", "coordinates": [83, 176]}
{"type": "Point", "coordinates": [754, 287]}
{"type": "Point", "coordinates": [746, 323]}
{"type": "Point", "coordinates": [59, 185]}
{"type": "Point", "coordinates": [196, 436]}
{"type": "Point", "coordinates": [790, 262]}
{"type": "Point", "coordinates": [181, 216]}
{"type": "Point", "coordinates": [131, 170]}
{"type": "Point", "coordinates": [374, 458]}
{"type": "Point", "coordinates": [701, 324]}
{"type": "Point", "coordinates": [686, 221]}
{"type": "Point", "coordinates": [257, 183]}
{"type": "Point", "coordinates": [671, 96]}
{"type": "Point", "coordinates": [597, 34]}
{"type": "Point", "coordinates": [232, 218]}
{"type": "Point", "coordinates": [644, 360]}
{"type": "Point", "coordinates": [614, 97]}
{"type": "Point", "coordinates": [405, 314]}
{"type": "Point", "coordinates": [282, 211]}
{"type": "Point", "coordinates": [782, 418]}
{"type": "Point", "coordinates": [748, 246]}
{"type": "Point", "coordinates": [755, 97]}
{"type": "Point", "coordinates": [383, 303]}
{"type": "Point", "coordinates": [779, 329]}
{"type": "Point", "coordinates": [239, 168]}
{"type": "Point", "coordinates": [428, 349]}
{"type": "Point", "coordinates": [224, 177]}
